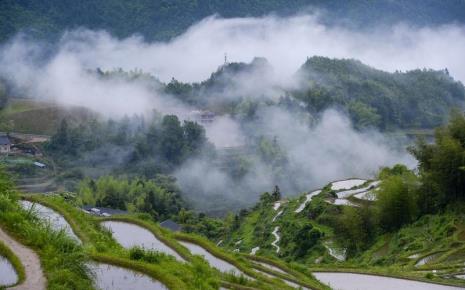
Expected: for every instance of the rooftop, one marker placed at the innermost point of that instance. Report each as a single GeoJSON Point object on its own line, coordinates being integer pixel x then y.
{"type": "Point", "coordinates": [103, 211]}
{"type": "Point", "coordinates": [5, 140]}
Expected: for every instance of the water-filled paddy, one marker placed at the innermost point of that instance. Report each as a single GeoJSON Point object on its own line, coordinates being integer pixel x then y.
{"type": "Point", "coordinates": [349, 281]}
{"type": "Point", "coordinates": [8, 274]}
{"type": "Point", "coordinates": [56, 220]}
{"type": "Point", "coordinates": [215, 262]}
{"type": "Point", "coordinates": [130, 235]}
{"type": "Point", "coordinates": [347, 184]}
{"type": "Point", "coordinates": [108, 277]}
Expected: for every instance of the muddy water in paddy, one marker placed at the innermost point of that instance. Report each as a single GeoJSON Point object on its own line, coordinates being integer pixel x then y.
{"type": "Point", "coordinates": [130, 235]}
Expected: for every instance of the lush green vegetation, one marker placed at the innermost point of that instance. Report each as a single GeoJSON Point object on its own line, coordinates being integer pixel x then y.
{"type": "Point", "coordinates": [441, 165]}
{"type": "Point", "coordinates": [372, 98]}
{"type": "Point", "coordinates": [149, 196]}
{"type": "Point", "coordinates": [102, 248]}
{"type": "Point", "coordinates": [62, 258]}
{"type": "Point", "coordinates": [164, 19]}
{"type": "Point", "coordinates": [196, 274]}
{"type": "Point", "coordinates": [128, 147]}
{"type": "Point", "coordinates": [413, 99]}
{"type": "Point", "coordinates": [139, 147]}
{"type": "Point", "coordinates": [166, 139]}
{"type": "Point", "coordinates": [416, 222]}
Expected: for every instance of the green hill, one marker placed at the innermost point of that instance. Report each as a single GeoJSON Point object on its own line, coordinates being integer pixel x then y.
{"type": "Point", "coordinates": [409, 223]}
{"type": "Point", "coordinates": [417, 99]}
{"type": "Point", "coordinates": [412, 99]}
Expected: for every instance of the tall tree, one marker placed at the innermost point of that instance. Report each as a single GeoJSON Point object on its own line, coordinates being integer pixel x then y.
{"type": "Point", "coordinates": [276, 195]}
{"type": "Point", "coordinates": [172, 141]}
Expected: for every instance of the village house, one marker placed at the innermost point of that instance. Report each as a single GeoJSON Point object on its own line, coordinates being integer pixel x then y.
{"type": "Point", "coordinates": [5, 144]}
{"type": "Point", "coordinates": [203, 117]}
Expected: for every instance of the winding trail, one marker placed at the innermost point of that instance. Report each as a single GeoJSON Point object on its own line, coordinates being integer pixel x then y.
{"type": "Point", "coordinates": [277, 238]}
{"type": "Point", "coordinates": [35, 278]}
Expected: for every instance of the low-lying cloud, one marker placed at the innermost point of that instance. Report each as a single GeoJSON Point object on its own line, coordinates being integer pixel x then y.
{"type": "Point", "coordinates": [59, 71]}
{"type": "Point", "coordinates": [317, 153]}
{"type": "Point", "coordinates": [285, 42]}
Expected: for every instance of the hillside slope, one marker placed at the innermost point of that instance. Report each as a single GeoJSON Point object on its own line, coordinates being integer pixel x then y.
{"type": "Point", "coordinates": [417, 98]}
{"type": "Point", "coordinates": [304, 230]}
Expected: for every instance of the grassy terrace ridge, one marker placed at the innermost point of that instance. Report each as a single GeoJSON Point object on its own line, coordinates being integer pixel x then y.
{"type": "Point", "coordinates": [242, 264]}
{"type": "Point", "coordinates": [295, 273]}
{"type": "Point", "coordinates": [100, 247]}
{"type": "Point", "coordinates": [62, 259]}
{"type": "Point", "coordinates": [170, 239]}
{"type": "Point", "coordinates": [6, 252]}
{"type": "Point", "coordinates": [163, 235]}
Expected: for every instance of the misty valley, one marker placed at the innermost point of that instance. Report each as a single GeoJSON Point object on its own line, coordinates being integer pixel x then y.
{"type": "Point", "coordinates": [218, 145]}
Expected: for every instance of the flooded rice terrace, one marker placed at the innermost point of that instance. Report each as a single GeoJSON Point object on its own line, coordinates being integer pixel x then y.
{"type": "Point", "coordinates": [350, 281]}
{"type": "Point", "coordinates": [56, 220]}
{"type": "Point", "coordinates": [108, 277]}
{"type": "Point", "coordinates": [215, 262]}
{"type": "Point", "coordinates": [130, 235]}
{"type": "Point", "coordinates": [8, 274]}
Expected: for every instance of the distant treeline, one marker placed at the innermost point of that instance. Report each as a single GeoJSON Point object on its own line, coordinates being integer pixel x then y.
{"type": "Point", "coordinates": [165, 140]}
{"type": "Point", "coordinates": [412, 99]}
{"type": "Point", "coordinates": [163, 19]}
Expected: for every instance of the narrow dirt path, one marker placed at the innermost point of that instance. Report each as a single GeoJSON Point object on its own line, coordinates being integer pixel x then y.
{"type": "Point", "coordinates": [35, 278]}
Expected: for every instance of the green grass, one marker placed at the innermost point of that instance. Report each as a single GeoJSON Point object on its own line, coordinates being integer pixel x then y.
{"type": "Point", "coordinates": [443, 234]}
{"type": "Point", "coordinates": [99, 246]}
{"type": "Point", "coordinates": [15, 262]}
{"type": "Point", "coordinates": [23, 105]}
{"type": "Point", "coordinates": [196, 274]}
{"type": "Point", "coordinates": [163, 235]}
{"type": "Point", "coordinates": [295, 272]}
{"type": "Point", "coordinates": [62, 259]}
{"type": "Point", "coordinates": [35, 117]}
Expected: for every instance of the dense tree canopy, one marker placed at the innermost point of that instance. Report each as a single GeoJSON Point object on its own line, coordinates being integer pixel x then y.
{"type": "Point", "coordinates": [441, 165]}
{"type": "Point", "coordinates": [138, 195]}
{"type": "Point", "coordinates": [163, 19]}
{"type": "Point", "coordinates": [413, 99]}
{"type": "Point", "coordinates": [371, 97]}
{"type": "Point", "coordinates": [164, 141]}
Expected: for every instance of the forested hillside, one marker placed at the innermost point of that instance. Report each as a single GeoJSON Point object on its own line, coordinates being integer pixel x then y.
{"type": "Point", "coordinates": [157, 145]}
{"type": "Point", "coordinates": [416, 99]}
{"type": "Point", "coordinates": [412, 99]}
{"type": "Point", "coordinates": [164, 19]}
{"type": "Point", "coordinates": [409, 220]}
